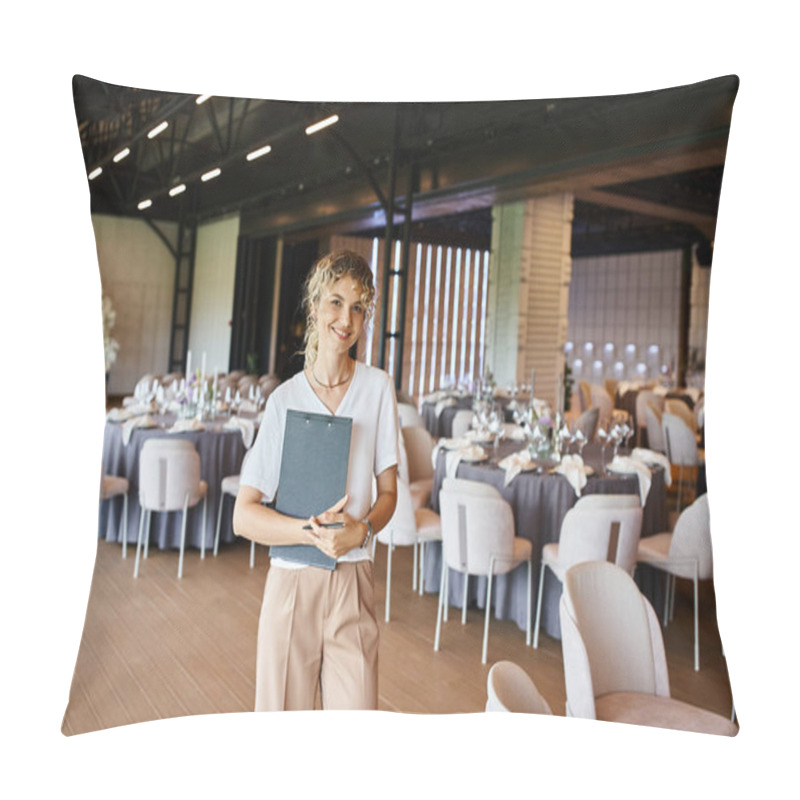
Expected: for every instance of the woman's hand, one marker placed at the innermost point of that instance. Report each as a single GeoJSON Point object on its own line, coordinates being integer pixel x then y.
{"type": "Point", "coordinates": [336, 542]}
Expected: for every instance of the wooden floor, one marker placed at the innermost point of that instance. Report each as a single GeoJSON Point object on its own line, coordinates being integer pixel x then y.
{"type": "Point", "coordinates": [157, 647]}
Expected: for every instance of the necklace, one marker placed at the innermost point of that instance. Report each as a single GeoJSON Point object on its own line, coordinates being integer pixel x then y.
{"type": "Point", "coordinates": [329, 385]}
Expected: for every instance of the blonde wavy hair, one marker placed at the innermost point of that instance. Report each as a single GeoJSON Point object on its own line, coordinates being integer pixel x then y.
{"type": "Point", "coordinates": [329, 269]}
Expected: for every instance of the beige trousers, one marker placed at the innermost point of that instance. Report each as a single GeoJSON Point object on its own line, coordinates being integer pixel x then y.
{"type": "Point", "coordinates": [318, 630]}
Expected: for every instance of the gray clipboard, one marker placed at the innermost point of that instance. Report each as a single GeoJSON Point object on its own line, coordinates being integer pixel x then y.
{"type": "Point", "coordinates": [313, 475]}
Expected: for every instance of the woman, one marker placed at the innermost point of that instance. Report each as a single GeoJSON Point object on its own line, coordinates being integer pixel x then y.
{"type": "Point", "coordinates": [318, 627]}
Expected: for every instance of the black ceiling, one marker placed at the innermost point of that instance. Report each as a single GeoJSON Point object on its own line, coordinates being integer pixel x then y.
{"type": "Point", "coordinates": [645, 169]}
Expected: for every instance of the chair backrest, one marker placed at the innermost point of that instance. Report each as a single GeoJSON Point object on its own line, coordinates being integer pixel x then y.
{"type": "Point", "coordinates": [408, 415]}
{"type": "Point", "coordinates": [691, 538]}
{"type": "Point", "coordinates": [643, 397]}
{"type": "Point", "coordinates": [402, 527]}
{"type": "Point", "coordinates": [655, 433]}
{"type": "Point", "coordinates": [510, 688]}
{"type": "Point", "coordinates": [585, 395]}
{"type": "Point", "coordinates": [144, 385]}
{"type": "Point", "coordinates": [610, 385]}
{"type": "Point", "coordinates": [680, 409]}
{"type": "Point", "coordinates": [462, 420]}
{"type": "Point", "coordinates": [246, 381]}
{"type": "Point", "coordinates": [476, 524]}
{"type": "Point", "coordinates": [700, 412]}
{"type": "Point", "coordinates": [419, 449]}
{"type": "Point", "coordinates": [601, 533]}
{"type": "Point", "coordinates": [679, 440]}
{"type": "Point", "coordinates": [268, 384]}
{"type": "Point", "coordinates": [169, 470]}
{"type": "Point", "coordinates": [608, 501]}
{"type": "Point", "coordinates": [587, 423]}
{"type": "Point", "coordinates": [610, 636]}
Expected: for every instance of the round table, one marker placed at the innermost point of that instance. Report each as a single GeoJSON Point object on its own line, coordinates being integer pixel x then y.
{"type": "Point", "coordinates": [221, 452]}
{"type": "Point", "coordinates": [539, 503]}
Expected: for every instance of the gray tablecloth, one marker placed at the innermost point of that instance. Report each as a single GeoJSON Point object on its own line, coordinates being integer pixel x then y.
{"type": "Point", "coordinates": [221, 453]}
{"type": "Point", "coordinates": [441, 426]}
{"type": "Point", "coordinates": [539, 503]}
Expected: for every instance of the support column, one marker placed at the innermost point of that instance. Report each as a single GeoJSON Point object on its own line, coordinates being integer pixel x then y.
{"type": "Point", "coordinates": [529, 275]}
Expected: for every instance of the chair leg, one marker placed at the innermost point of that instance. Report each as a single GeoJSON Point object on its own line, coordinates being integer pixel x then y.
{"type": "Point", "coordinates": [538, 607]}
{"type": "Point", "coordinates": [464, 599]}
{"type": "Point", "coordinates": [139, 543]}
{"type": "Point", "coordinates": [148, 515]}
{"type": "Point", "coordinates": [252, 554]}
{"type": "Point", "coordinates": [219, 523]}
{"type": "Point", "coordinates": [125, 525]}
{"type": "Point", "coordinates": [529, 598]}
{"type": "Point", "coordinates": [667, 585]}
{"type": "Point", "coordinates": [203, 529]}
{"type": "Point", "coordinates": [442, 589]}
{"type": "Point", "coordinates": [414, 571]}
{"type": "Point", "coordinates": [446, 590]}
{"type": "Point", "coordinates": [488, 610]}
{"type": "Point", "coordinates": [672, 599]}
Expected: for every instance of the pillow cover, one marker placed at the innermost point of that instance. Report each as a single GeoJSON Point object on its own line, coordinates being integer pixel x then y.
{"type": "Point", "coordinates": [208, 211]}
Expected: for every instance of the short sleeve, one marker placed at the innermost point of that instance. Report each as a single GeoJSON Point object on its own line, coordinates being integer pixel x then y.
{"type": "Point", "coordinates": [386, 439]}
{"type": "Point", "coordinates": [262, 469]}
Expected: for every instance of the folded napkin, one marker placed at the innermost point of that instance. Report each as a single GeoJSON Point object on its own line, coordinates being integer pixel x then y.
{"type": "Point", "coordinates": [145, 421]}
{"type": "Point", "coordinates": [120, 414]}
{"type": "Point", "coordinates": [183, 425]}
{"type": "Point", "coordinates": [434, 397]}
{"type": "Point", "coordinates": [246, 426]}
{"type": "Point", "coordinates": [516, 433]}
{"type": "Point", "coordinates": [575, 471]}
{"type": "Point", "coordinates": [516, 463]}
{"type": "Point", "coordinates": [447, 444]}
{"type": "Point", "coordinates": [441, 405]}
{"type": "Point", "coordinates": [248, 406]}
{"type": "Point", "coordinates": [627, 465]}
{"type": "Point", "coordinates": [653, 458]}
{"type": "Point", "coordinates": [453, 458]}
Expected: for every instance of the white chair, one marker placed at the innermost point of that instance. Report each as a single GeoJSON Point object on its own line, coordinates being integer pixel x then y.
{"type": "Point", "coordinates": [169, 480]}
{"type": "Point", "coordinates": [408, 527]}
{"type": "Point", "coordinates": [681, 447]}
{"type": "Point", "coordinates": [678, 408]}
{"type": "Point", "coordinates": [116, 486]}
{"type": "Point", "coordinates": [643, 397]}
{"type": "Point", "coordinates": [615, 667]}
{"type": "Point", "coordinates": [419, 450]}
{"type": "Point", "coordinates": [408, 415]}
{"type": "Point", "coordinates": [596, 528]}
{"type": "Point", "coordinates": [230, 487]}
{"type": "Point", "coordinates": [509, 688]}
{"type": "Point", "coordinates": [462, 422]}
{"type": "Point", "coordinates": [478, 538]}
{"type": "Point", "coordinates": [655, 433]}
{"type": "Point", "coordinates": [684, 553]}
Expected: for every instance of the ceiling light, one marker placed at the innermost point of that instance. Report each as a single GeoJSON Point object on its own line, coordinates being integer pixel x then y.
{"type": "Point", "coordinates": [144, 204]}
{"type": "Point", "coordinates": [202, 98]}
{"type": "Point", "coordinates": [126, 151]}
{"type": "Point", "coordinates": [96, 172]}
{"type": "Point", "coordinates": [181, 187]}
{"type": "Point", "coordinates": [207, 176]}
{"type": "Point", "coordinates": [262, 151]}
{"type": "Point", "coordinates": [318, 126]}
{"type": "Point", "coordinates": [158, 128]}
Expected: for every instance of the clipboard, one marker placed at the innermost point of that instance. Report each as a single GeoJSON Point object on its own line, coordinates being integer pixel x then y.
{"type": "Point", "coordinates": [313, 476]}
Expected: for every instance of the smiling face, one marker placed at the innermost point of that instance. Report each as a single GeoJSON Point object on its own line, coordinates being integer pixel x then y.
{"type": "Point", "coordinates": [340, 316]}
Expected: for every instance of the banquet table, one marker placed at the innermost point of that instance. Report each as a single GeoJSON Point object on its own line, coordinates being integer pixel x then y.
{"type": "Point", "coordinates": [441, 424]}
{"type": "Point", "coordinates": [221, 452]}
{"type": "Point", "coordinates": [539, 503]}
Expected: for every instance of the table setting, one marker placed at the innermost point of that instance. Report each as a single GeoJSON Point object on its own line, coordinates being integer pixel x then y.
{"type": "Point", "coordinates": [541, 471]}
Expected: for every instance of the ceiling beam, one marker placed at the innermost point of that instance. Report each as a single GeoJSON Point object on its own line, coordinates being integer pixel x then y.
{"type": "Point", "coordinates": [703, 222]}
